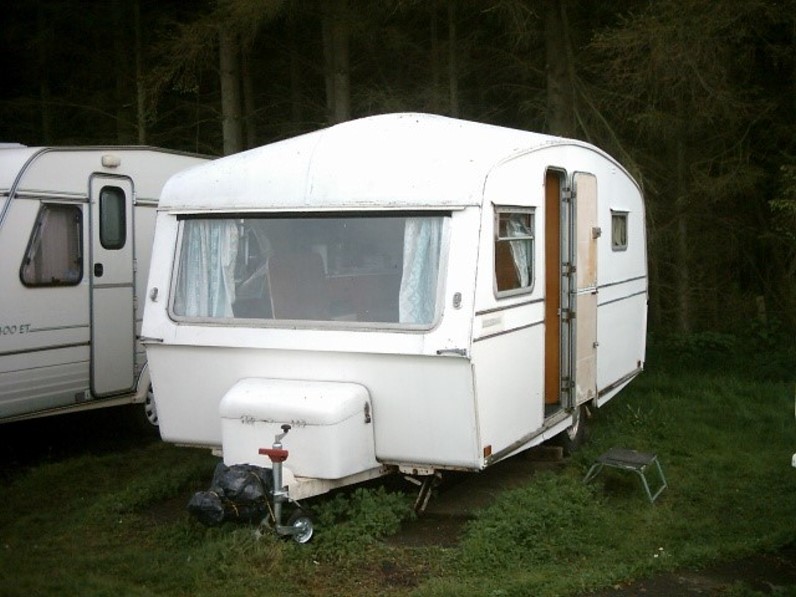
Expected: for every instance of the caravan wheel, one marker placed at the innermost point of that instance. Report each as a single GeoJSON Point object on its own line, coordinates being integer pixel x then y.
{"type": "Point", "coordinates": [150, 409]}
{"type": "Point", "coordinates": [301, 521]}
{"type": "Point", "coordinates": [571, 439]}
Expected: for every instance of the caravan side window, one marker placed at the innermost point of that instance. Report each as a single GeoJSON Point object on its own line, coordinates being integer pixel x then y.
{"type": "Point", "coordinates": [54, 255]}
{"type": "Point", "coordinates": [514, 250]}
{"type": "Point", "coordinates": [619, 230]}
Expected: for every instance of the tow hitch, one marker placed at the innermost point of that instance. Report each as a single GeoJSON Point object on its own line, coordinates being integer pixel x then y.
{"type": "Point", "coordinates": [299, 525]}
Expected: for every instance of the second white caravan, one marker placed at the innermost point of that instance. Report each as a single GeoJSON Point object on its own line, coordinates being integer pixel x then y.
{"type": "Point", "coordinates": [76, 227]}
{"type": "Point", "coordinates": [408, 292]}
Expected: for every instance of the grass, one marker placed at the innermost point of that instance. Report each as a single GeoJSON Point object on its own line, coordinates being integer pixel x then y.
{"type": "Point", "coordinates": [114, 523]}
{"type": "Point", "coordinates": [725, 445]}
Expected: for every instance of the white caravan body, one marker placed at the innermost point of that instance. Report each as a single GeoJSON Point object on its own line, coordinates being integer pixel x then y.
{"type": "Point", "coordinates": [408, 292]}
{"type": "Point", "coordinates": [76, 227]}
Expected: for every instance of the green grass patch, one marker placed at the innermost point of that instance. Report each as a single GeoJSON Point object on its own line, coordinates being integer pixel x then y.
{"type": "Point", "coordinates": [115, 523]}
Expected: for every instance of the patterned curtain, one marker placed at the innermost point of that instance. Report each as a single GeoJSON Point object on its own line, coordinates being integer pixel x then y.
{"type": "Point", "coordinates": [418, 293]}
{"type": "Point", "coordinates": [520, 250]}
{"type": "Point", "coordinates": [206, 280]}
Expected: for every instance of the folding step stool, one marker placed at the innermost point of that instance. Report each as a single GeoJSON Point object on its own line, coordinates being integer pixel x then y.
{"type": "Point", "coordinates": [633, 461]}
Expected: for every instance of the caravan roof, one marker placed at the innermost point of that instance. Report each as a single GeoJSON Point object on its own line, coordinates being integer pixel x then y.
{"type": "Point", "coordinates": [405, 161]}
{"type": "Point", "coordinates": [63, 170]}
{"type": "Point", "coordinates": [12, 159]}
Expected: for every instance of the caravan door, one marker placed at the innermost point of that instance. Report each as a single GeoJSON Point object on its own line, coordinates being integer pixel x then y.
{"type": "Point", "coordinates": [112, 290]}
{"type": "Point", "coordinates": [587, 233]}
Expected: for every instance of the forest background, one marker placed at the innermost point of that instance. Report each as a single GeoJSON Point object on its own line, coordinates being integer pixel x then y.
{"type": "Point", "coordinates": [697, 98]}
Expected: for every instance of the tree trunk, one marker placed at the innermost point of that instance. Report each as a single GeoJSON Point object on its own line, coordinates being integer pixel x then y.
{"type": "Point", "coordinates": [249, 104]}
{"type": "Point", "coordinates": [296, 100]}
{"type": "Point", "coordinates": [682, 273]}
{"type": "Point", "coordinates": [654, 284]}
{"type": "Point", "coordinates": [336, 59]}
{"type": "Point", "coordinates": [560, 71]}
{"type": "Point", "coordinates": [123, 131]}
{"type": "Point", "coordinates": [140, 94]}
{"type": "Point", "coordinates": [231, 124]}
{"type": "Point", "coordinates": [435, 100]}
{"type": "Point", "coordinates": [328, 62]}
{"type": "Point", "coordinates": [45, 104]}
{"type": "Point", "coordinates": [453, 68]}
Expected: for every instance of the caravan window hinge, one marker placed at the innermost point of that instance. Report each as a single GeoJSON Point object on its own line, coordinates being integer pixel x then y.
{"type": "Point", "coordinates": [566, 194]}
{"type": "Point", "coordinates": [567, 315]}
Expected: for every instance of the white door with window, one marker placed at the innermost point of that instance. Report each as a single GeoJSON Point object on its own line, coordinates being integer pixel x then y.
{"type": "Point", "coordinates": [112, 289]}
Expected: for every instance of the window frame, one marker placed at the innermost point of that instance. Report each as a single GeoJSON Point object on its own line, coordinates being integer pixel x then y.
{"type": "Point", "coordinates": [333, 324]}
{"type": "Point", "coordinates": [113, 192]}
{"type": "Point", "coordinates": [623, 216]}
{"type": "Point", "coordinates": [496, 238]}
{"type": "Point", "coordinates": [34, 245]}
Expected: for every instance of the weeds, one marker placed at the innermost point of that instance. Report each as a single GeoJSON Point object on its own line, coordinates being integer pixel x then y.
{"type": "Point", "coordinates": [528, 527]}
{"type": "Point", "coordinates": [350, 522]}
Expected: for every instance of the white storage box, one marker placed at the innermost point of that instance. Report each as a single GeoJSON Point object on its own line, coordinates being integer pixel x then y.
{"type": "Point", "coordinates": [331, 433]}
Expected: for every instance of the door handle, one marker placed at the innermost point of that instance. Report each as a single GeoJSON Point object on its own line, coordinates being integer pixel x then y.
{"type": "Point", "coordinates": [462, 352]}
{"type": "Point", "coordinates": [98, 270]}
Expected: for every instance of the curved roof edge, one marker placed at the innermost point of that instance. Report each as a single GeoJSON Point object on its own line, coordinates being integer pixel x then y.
{"type": "Point", "coordinates": [401, 160]}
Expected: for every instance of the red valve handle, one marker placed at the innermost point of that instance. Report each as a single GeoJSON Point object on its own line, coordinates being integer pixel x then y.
{"type": "Point", "coordinates": [275, 454]}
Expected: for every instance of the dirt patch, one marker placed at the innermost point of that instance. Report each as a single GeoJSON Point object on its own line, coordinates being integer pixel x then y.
{"type": "Point", "coordinates": [399, 576]}
{"type": "Point", "coordinates": [441, 531]}
{"type": "Point", "coordinates": [460, 495]}
{"type": "Point", "coordinates": [766, 573]}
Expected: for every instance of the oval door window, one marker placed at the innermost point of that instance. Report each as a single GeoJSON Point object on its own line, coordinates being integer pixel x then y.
{"type": "Point", "coordinates": [113, 218]}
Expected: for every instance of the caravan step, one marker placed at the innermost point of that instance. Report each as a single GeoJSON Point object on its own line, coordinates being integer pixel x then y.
{"type": "Point", "coordinates": [633, 461]}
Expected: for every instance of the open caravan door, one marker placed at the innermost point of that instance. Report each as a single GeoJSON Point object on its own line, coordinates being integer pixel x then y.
{"type": "Point", "coordinates": [587, 233]}
{"type": "Point", "coordinates": [112, 288]}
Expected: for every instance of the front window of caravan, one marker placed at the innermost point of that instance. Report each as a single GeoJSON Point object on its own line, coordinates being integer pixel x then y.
{"type": "Point", "coordinates": [378, 269]}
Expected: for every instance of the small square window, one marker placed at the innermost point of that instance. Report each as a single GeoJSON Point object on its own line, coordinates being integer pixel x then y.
{"type": "Point", "coordinates": [619, 230]}
{"type": "Point", "coordinates": [514, 251]}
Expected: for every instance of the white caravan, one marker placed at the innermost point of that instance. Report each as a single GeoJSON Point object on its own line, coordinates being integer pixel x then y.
{"type": "Point", "coordinates": [409, 292]}
{"type": "Point", "coordinates": [76, 227]}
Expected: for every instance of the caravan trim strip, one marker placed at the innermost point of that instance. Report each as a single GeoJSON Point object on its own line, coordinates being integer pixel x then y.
{"type": "Point", "coordinates": [44, 348]}
{"type": "Point", "coordinates": [619, 382]}
{"type": "Point", "coordinates": [622, 298]}
{"type": "Point", "coordinates": [617, 283]}
{"type": "Point", "coordinates": [512, 330]}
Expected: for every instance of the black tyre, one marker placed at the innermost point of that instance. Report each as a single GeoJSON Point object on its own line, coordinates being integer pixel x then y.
{"type": "Point", "coordinates": [574, 437]}
{"type": "Point", "coordinates": [150, 408]}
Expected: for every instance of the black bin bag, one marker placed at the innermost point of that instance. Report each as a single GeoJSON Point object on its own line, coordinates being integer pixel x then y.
{"type": "Point", "coordinates": [238, 493]}
{"type": "Point", "coordinates": [207, 508]}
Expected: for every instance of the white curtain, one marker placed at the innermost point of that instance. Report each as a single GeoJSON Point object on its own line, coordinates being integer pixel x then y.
{"type": "Point", "coordinates": [520, 251]}
{"type": "Point", "coordinates": [206, 282]}
{"type": "Point", "coordinates": [418, 293]}
{"type": "Point", "coordinates": [619, 229]}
